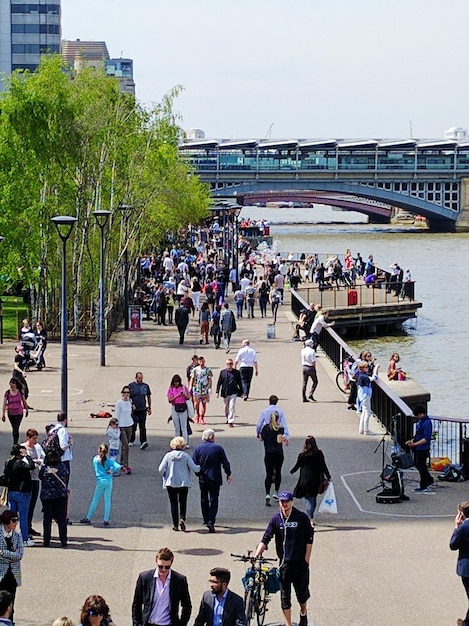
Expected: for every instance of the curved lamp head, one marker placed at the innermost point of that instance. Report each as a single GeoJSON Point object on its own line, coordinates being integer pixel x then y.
{"type": "Point", "coordinates": [64, 225]}
{"type": "Point", "coordinates": [101, 217]}
{"type": "Point", "coordinates": [126, 210]}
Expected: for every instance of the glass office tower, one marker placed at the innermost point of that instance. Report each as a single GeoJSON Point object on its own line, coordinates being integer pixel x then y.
{"type": "Point", "coordinates": [28, 30]}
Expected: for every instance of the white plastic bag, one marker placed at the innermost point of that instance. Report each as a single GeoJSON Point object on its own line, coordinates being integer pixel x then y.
{"type": "Point", "coordinates": [190, 408]}
{"type": "Point", "coordinates": [329, 503]}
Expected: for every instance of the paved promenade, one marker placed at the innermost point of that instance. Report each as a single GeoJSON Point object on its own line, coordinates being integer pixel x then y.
{"type": "Point", "coordinates": [371, 564]}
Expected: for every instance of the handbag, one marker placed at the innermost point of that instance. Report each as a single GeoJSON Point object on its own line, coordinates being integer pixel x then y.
{"type": "Point", "coordinates": [181, 407]}
{"type": "Point", "coordinates": [323, 483]}
{"type": "Point", "coordinates": [4, 496]}
{"type": "Point", "coordinates": [328, 503]}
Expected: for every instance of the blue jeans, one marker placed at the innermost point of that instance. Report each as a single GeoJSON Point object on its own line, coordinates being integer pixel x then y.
{"type": "Point", "coordinates": [18, 501]}
{"type": "Point", "coordinates": [103, 488]}
{"type": "Point", "coordinates": [310, 505]}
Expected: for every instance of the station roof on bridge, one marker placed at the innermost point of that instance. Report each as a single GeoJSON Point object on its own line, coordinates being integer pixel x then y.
{"type": "Point", "coordinates": [324, 144]}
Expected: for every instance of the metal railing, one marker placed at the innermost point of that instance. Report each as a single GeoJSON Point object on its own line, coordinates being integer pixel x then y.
{"type": "Point", "coordinates": [332, 296]}
{"type": "Point", "coordinates": [449, 434]}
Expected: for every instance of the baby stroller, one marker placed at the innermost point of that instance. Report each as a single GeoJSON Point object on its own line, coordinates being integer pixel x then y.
{"type": "Point", "coordinates": [33, 351]}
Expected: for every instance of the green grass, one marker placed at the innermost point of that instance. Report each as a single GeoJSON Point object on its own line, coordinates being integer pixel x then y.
{"type": "Point", "coordinates": [14, 311]}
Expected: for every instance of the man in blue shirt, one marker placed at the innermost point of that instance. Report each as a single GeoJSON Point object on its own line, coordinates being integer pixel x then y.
{"type": "Point", "coordinates": [140, 394]}
{"type": "Point", "coordinates": [220, 605]}
{"type": "Point", "coordinates": [421, 445]}
{"type": "Point", "coordinates": [212, 458]}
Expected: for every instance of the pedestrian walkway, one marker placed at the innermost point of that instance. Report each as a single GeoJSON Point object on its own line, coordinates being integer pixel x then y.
{"type": "Point", "coordinates": [371, 564]}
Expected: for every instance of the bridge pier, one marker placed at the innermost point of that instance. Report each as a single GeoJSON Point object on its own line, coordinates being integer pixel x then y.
{"type": "Point", "coordinates": [462, 224]}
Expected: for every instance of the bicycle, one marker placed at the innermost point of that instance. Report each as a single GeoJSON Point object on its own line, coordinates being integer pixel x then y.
{"type": "Point", "coordinates": [256, 586]}
{"type": "Point", "coordinates": [342, 379]}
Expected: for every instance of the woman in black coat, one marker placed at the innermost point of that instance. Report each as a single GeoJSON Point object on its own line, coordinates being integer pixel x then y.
{"type": "Point", "coordinates": [18, 472]}
{"type": "Point", "coordinates": [273, 436]}
{"type": "Point", "coordinates": [313, 470]}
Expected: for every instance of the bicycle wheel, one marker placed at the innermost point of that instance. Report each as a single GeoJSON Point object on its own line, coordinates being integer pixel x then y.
{"type": "Point", "coordinates": [261, 607]}
{"type": "Point", "coordinates": [249, 604]}
{"type": "Point", "coordinates": [340, 382]}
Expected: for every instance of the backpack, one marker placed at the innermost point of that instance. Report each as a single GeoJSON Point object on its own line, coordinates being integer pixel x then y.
{"type": "Point", "coordinates": [51, 443]}
{"type": "Point", "coordinates": [452, 474]}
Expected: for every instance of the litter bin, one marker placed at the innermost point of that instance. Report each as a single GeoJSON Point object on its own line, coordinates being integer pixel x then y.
{"type": "Point", "coordinates": [270, 331]}
{"type": "Point", "coordinates": [352, 297]}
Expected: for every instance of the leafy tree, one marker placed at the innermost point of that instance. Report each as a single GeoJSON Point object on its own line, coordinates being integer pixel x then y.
{"type": "Point", "coordinates": [73, 145]}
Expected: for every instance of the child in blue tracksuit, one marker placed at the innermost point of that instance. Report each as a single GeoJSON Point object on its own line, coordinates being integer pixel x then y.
{"type": "Point", "coordinates": [104, 468]}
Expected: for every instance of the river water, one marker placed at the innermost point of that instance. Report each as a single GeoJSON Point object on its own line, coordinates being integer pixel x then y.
{"type": "Point", "coordinates": [433, 346]}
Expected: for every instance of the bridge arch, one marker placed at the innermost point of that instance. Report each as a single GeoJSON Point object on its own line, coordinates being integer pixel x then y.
{"type": "Point", "coordinates": [375, 201]}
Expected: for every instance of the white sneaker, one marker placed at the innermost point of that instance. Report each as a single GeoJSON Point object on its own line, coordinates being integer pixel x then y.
{"type": "Point", "coordinates": [29, 544]}
{"type": "Point", "coordinates": [275, 495]}
{"type": "Point", "coordinates": [131, 445]}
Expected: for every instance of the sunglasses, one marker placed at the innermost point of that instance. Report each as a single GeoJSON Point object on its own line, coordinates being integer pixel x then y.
{"type": "Point", "coordinates": [14, 519]}
{"type": "Point", "coordinates": [166, 567]}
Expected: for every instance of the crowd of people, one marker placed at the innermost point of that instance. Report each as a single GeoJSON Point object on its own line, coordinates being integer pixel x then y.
{"type": "Point", "coordinates": [177, 288]}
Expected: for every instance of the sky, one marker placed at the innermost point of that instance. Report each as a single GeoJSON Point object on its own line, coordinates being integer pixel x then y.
{"type": "Point", "coordinates": [298, 69]}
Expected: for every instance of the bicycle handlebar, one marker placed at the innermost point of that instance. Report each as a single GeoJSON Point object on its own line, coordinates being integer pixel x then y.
{"type": "Point", "coordinates": [248, 557]}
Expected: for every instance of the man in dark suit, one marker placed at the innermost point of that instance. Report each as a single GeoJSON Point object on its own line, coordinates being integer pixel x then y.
{"type": "Point", "coordinates": [212, 458]}
{"type": "Point", "coordinates": [460, 541]}
{"type": "Point", "coordinates": [220, 606]}
{"type": "Point", "coordinates": [229, 384]}
{"type": "Point", "coordinates": [153, 603]}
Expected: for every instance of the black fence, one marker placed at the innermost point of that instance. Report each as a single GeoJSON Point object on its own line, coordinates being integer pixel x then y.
{"type": "Point", "coordinates": [449, 434]}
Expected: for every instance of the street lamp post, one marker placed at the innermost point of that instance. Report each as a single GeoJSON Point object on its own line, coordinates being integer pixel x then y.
{"type": "Point", "coordinates": [64, 225]}
{"type": "Point", "coordinates": [101, 219]}
{"type": "Point", "coordinates": [126, 210]}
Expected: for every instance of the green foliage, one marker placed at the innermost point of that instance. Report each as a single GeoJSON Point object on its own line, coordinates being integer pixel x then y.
{"type": "Point", "coordinates": [70, 147]}
{"type": "Point", "coordinates": [14, 310]}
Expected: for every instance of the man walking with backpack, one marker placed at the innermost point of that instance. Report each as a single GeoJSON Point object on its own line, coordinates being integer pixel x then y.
{"type": "Point", "coordinates": [60, 440]}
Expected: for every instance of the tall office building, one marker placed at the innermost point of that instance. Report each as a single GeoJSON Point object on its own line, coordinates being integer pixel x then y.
{"type": "Point", "coordinates": [28, 30]}
{"type": "Point", "coordinates": [95, 54]}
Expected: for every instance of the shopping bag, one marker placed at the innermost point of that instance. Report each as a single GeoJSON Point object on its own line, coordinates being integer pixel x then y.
{"type": "Point", "coordinates": [190, 408]}
{"type": "Point", "coordinates": [4, 496]}
{"type": "Point", "coordinates": [329, 503]}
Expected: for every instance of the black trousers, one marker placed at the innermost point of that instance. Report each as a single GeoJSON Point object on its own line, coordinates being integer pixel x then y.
{"type": "Point", "coordinates": [178, 503]}
{"type": "Point", "coordinates": [140, 420]}
{"type": "Point", "coordinates": [209, 493]}
{"type": "Point", "coordinates": [56, 508]}
{"type": "Point", "coordinates": [273, 467]}
{"type": "Point", "coordinates": [465, 582]}
{"type": "Point", "coordinates": [181, 331]}
{"type": "Point", "coordinates": [421, 457]}
{"type": "Point", "coordinates": [15, 421]}
{"type": "Point", "coordinates": [246, 378]}
{"type": "Point", "coordinates": [35, 484]}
